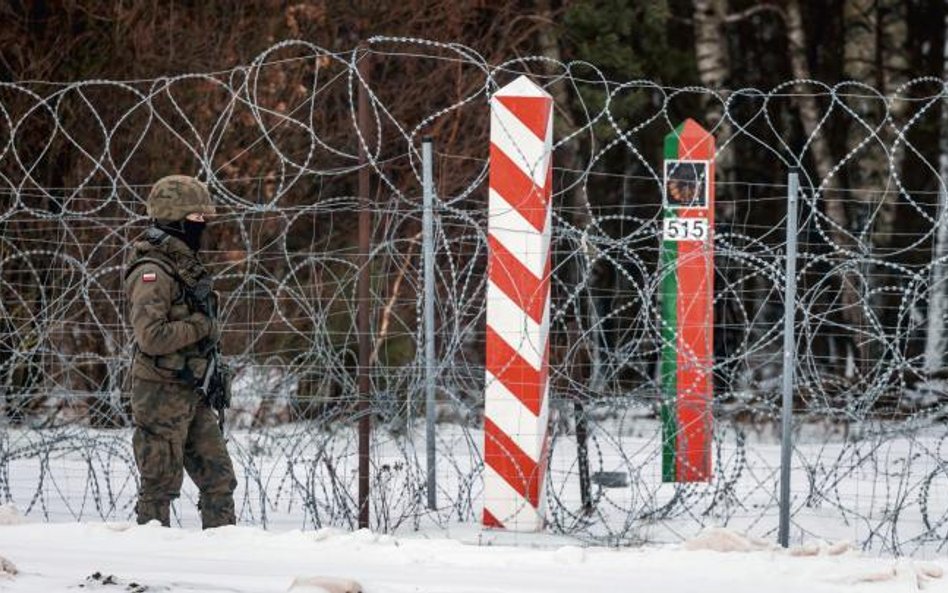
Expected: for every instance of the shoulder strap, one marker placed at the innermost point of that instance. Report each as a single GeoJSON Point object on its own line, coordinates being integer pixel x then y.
{"type": "Point", "coordinates": [156, 236]}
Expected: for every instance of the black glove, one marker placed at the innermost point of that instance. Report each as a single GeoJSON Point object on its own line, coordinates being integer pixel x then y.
{"type": "Point", "coordinates": [202, 296]}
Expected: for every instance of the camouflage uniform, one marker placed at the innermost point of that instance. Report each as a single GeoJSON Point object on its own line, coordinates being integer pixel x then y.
{"type": "Point", "coordinates": [175, 430]}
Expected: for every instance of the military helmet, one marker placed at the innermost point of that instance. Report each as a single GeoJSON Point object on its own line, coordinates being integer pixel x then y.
{"type": "Point", "coordinates": [176, 196]}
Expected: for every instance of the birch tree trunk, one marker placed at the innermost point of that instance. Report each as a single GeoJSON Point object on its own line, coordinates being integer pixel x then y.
{"type": "Point", "coordinates": [875, 54]}
{"type": "Point", "coordinates": [938, 302]}
{"type": "Point", "coordinates": [711, 45]}
{"type": "Point", "coordinates": [714, 70]}
{"type": "Point", "coordinates": [892, 56]}
{"type": "Point", "coordinates": [833, 206]}
{"type": "Point", "coordinates": [810, 111]}
{"type": "Point", "coordinates": [874, 40]}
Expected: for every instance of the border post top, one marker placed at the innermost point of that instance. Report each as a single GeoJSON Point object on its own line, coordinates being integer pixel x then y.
{"type": "Point", "coordinates": [523, 86]}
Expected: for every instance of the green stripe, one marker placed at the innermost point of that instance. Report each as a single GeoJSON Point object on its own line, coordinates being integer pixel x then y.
{"type": "Point", "coordinates": [671, 142]}
{"type": "Point", "coordinates": [669, 364]}
{"type": "Point", "coordinates": [669, 329]}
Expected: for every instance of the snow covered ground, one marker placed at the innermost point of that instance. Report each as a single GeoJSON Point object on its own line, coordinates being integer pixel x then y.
{"type": "Point", "coordinates": [121, 557]}
{"type": "Point", "coordinates": [887, 494]}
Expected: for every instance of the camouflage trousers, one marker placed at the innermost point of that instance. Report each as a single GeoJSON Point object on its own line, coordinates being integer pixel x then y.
{"type": "Point", "coordinates": [174, 433]}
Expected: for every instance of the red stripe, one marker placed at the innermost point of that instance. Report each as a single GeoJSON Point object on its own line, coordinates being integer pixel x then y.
{"type": "Point", "coordinates": [490, 520]}
{"type": "Point", "coordinates": [516, 280]}
{"type": "Point", "coordinates": [516, 467]}
{"type": "Point", "coordinates": [533, 112]}
{"type": "Point", "coordinates": [695, 282]}
{"type": "Point", "coordinates": [694, 361]}
{"type": "Point", "coordinates": [518, 189]}
{"type": "Point", "coordinates": [695, 143]}
{"type": "Point", "coordinates": [526, 383]}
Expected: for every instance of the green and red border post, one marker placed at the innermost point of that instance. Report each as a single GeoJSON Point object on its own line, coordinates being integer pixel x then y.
{"type": "Point", "coordinates": [687, 294]}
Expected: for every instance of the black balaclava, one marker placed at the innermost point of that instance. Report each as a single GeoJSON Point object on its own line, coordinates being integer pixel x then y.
{"type": "Point", "coordinates": [189, 231]}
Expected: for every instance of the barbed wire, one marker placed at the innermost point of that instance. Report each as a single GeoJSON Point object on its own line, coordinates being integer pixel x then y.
{"type": "Point", "coordinates": [277, 141]}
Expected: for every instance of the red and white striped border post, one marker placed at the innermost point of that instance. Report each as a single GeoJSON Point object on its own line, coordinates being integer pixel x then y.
{"type": "Point", "coordinates": [518, 306]}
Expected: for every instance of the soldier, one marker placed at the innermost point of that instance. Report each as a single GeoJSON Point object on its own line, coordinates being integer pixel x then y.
{"type": "Point", "coordinates": [175, 429]}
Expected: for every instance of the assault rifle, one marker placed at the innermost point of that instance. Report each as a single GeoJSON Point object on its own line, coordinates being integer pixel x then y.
{"type": "Point", "coordinates": [214, 386]}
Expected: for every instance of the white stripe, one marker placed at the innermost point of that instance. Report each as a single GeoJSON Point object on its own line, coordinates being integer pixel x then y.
{"type": "Point", "coordinates": [519, 143]}
{"type": "Point", "coordinates": [522, 86]}
{"type": "Point", "coordinates": [530, 246]}
{"type": "Point", "coordinates": [514, 419]}
{"type": "Point", "coordinates": [515, 327]}
{"type": "Point", "coordinates": [514, 511]}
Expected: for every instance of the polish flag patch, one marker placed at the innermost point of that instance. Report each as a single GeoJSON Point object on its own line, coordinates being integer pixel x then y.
{"type": "Point", "coordinates": [149, 277]}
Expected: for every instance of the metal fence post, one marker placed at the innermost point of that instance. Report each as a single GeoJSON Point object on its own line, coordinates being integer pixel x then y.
{"type": "Point", "coordinates": [363, 294]}
{"type": "Point", "coordinates": [430, 369]}
{"type": "Point", "coordinates": [789, 356]}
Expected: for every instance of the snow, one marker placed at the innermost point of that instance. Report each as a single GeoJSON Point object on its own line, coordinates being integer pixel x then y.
{"type": "Point", "coordinates": [886, 495]}
{"type": "Point", "coordinates": [7, 568]}
{"type": "Point", "coordinates": [9, 515]}
{"type": "Point", "coordinates": [72, 492]}
{"type": "Point", "coordinates": [120, 556]}
{"type": "Point", "coordinates": [718, 539]}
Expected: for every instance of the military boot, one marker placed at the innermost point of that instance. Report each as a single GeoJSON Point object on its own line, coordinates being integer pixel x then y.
{"type": "Point", "coordinates": [217, 510]}
{"type": "Point", "coordinates": [154, 509]}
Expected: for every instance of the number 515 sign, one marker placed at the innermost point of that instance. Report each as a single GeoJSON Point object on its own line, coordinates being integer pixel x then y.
{"type": "Point", "coordinates": [685, 229]}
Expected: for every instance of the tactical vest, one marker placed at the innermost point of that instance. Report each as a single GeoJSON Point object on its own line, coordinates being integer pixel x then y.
{"type": "Point", "coordinates": [188, 364]}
